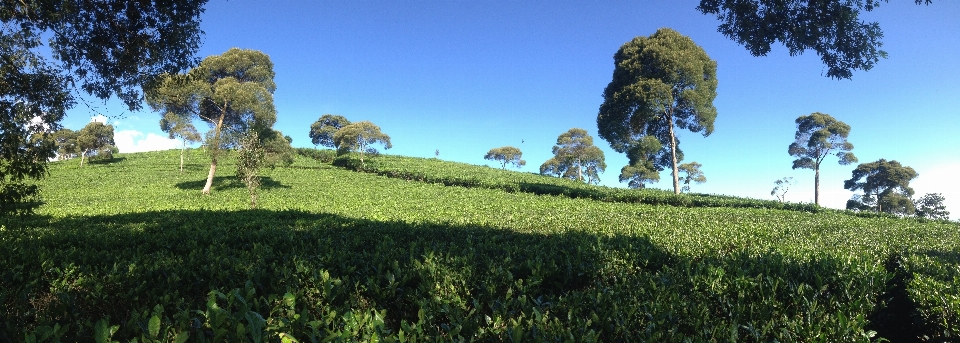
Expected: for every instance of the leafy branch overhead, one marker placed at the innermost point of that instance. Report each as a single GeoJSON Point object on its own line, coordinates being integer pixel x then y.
{"type": "Point", "coordinates": [832, 28]}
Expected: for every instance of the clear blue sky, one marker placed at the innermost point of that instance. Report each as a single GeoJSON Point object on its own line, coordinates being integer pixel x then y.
{"type": "Point", "coordinates": [467, 76]}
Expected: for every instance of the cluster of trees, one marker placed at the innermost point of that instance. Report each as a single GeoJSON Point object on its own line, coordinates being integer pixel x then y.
{"type": "Point", "coordinates": [95, 141]}
{"type": "Point", "coordinates": [337, 132]}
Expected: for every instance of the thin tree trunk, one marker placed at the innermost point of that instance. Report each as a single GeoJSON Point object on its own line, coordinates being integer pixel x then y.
{"type": "Point", "coordinates": [82, 155]}
{"type": "Point", "coordinates": [215, 151]}
{"type": "Point", "coordinates": [816, 186]}
{"type": "Point", "coordinates": [673, 155]}
{"type": "Point", "coordinates": [579, 170]}
{"type": "Point", "coordinates": [184, 148]}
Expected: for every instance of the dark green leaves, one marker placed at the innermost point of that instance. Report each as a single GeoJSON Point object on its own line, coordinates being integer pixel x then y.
{"type": "Point", "coordinates": [575, 157]}
{"type": "Point", "coordinates": [506, 155]}
{"type": "Point", "coordinates": [886, 184]}
{"type": "Point", "coordinates": [322, 131]}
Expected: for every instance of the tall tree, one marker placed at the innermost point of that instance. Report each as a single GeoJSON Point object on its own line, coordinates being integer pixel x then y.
{"type": "Point", "coordinates": [90, 46]}
{"type": "Point", "coordinates": [360, 137]}
{"type": "Point", "coordinates": [660, 83]}
{"type": "Point", "coordinates": [506, 155]}
{"type": "Point", "coordinates": [575, 157]}
{"type": "Point", "coordinates": [642, 167]}
{"type": "Point", "coordinates": [232, 93]}
{"type": "Point", "coordinates": [692, 174]}
{"type": "Point", "coordinates": [322, 131]}
{"type": "Point", "coordinates": [886, 187]}
{"type": "Point", "coordinates": [931, 206]}
{"type": "Point", "coordinates": [95, 139]}
{"type": "Point", "coordinates": [832, 28]}
{"type": "Point", "coordinates": [180, 127]}
{"type": "Point", "coordinates": [818, 136]}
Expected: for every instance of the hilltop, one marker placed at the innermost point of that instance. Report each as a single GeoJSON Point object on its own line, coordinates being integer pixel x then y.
{"type": "Point", "coordinates": [404, 249]}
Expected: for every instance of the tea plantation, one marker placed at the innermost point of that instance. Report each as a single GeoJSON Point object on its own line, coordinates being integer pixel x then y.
{"type": "Point", "coordinates": [418, 250]}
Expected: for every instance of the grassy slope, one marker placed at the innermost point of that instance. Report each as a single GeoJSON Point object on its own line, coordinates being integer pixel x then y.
{"type": "Point", "coordinates": [734, 254]}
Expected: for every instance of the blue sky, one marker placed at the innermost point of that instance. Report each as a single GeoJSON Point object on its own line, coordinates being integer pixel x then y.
{"type": "Point", "coordinates": [464, 77]}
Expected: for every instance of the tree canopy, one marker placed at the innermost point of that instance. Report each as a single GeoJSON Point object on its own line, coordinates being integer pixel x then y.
{"type": "Point", "coordinates": [885, 185]}
{"type": "Point", "coordinates": [232, 93]}
{"type": "Point", "coordinates": [506, 155]}
{"type": "Point", "coordinates": [642, 167]}
{"type": "Point", "coordinates": [931, 206]}
{"type": "Point", "coordinates": [105, 48]}
{"type": "Point", "coordinates": [660, 83]}
{"type": "Point", "coordinates": [691, 174]}
{"type": "Point", "coordinates": [95, 139]}
{"type": "Point", "coordinates": [360, 137]}
{"type": "Point", "coordinates": [322, 131]}
{"type": "Point", "coordinates": [819, 135]}
{"type": "Point", "coordinates": [832, 28]}
{"type": "Point", "coordinates": [575, 157]}
{"type": "Point", "coordinates": [179, 127]}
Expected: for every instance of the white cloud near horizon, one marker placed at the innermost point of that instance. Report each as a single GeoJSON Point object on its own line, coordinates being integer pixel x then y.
{"type": "Point", "coordinates": [128, 141]}
{"type": "Point", "coordinates": [940, 179]}
{"type": "Point", "coordinates": [99, 119]}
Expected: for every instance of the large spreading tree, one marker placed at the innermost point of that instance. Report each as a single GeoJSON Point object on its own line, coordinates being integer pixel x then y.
{"type": "Point", "coordinates": [931, 206]}
{"type": "Point", "coordinates": [818, 136]}
{"type": "Point", "coordinates": [322, 131]}
{"type": "Point", "coordinates": [95, 139]}
{"type": "Point", "coordinates": [360, 137]}
{"type": "Point", "coordinates": [506, 155]}
{"type": "Point", "coordinates": [660, 83]}
{"type": "Point", "coordinates": [232, 93]}
{"type": "Point", "coordinates": [575, 157]}
{"type": "Point", "coordinates": [105, 48]}
{"type": "Point", "coordinates": [832, 28]}
{"type": "Point", "coordinates": [885, 185]}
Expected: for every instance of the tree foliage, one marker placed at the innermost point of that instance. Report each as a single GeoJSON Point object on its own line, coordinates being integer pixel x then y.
{"type": "Point", "coordinates": [832, 28]}
{"type": "Point", "coordinates": [820, 135]}
{"type": "Point", "coordinates": [65, 141]}
{"type": "Point", "coordinates": [95, 139]}
{"type": "Point", "coordinates": [506, 155]}
{"type": "Point", "coordinates": [931, 206]}
{"type": "Point", "coordinates": [322, 131]}
{"type": "Point", "coordinates": [691, 174]}
{"type": "Point", "coordinates": [660, 83]}
{"type": "Point", "coordinates": [178, 127]}
{"type": "Point", "coordinates": [575, 157]}
{"type": "Point", "coordinates": [885, 185]}
{"type": "Point", "coordinates": [642, 167]}
{"type": "Point", "coordinates": [360, 137]}
{"type": "Point", "coordinates": [106, 48]}
{"type": "Point", "coordinates": [232, 93]}
{"type": "Point", "coordinates": [250, 157]}
{"type": "Point", "coordinates": [781, 187]}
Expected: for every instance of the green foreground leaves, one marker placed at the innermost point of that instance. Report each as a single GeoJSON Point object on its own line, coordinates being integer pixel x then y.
{"type": "Point", "coordinates": [336, 255]}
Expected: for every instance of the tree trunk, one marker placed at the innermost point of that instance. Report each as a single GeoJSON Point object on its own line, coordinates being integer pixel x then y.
{"type": "Point", "coordinates": [816, 186]}
{"type": "Point", "coordinates": [181, 156]}
{"type": "Point", "coordinates": [673, 156]}
{"type": "Point", "coordinates": [82, 155]}
{"type": "Point", "coordinates": [215, 151]}
{"type": "Point", "coordinates": [579, 170]}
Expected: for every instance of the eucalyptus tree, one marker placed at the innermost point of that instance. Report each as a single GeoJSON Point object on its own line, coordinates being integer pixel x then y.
{"type": "Point", "coordinates": [885, 185]}
{"type": "Point", "coordinates": [832, 28]}
{"type": "Point", "coordinates": [360, 137]}
{"type": "Point", "coordinates": [95, 139]}
{"type": "Point", "coordinates": [692, 174]}
{"type": "Point", "coordinates": [65, 141]}
{"type": "Point", "coordinates": [90, 48]}
{"type": "Point", "coordinates": [660, 83]}
{"type": "Point", "coordinates": [931, 206]}
{"type": "Point", "coordinates": [506, 155]}
{"type": "Point", "coordinates": [575, 156]}
{"type": "Point", "coordinates": [182, 128]}
{"type": "Point", "coordinates": [819, 135]}
{"type": "Point", "coordinates": [232, 93]}
{"type": "Point", "coordinates": [322, 131]}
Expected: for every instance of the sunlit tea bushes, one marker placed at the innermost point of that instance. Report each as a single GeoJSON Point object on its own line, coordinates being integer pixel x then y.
{"type": "Point", "coordinates": [130, 248]}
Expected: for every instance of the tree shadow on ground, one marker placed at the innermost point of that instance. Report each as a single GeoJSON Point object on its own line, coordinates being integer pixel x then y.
{"type": "Point", "coordinates": [221, 183]}
{"type": "Point", "coordinates": [107, 160]}
{"type": "Point", "coordinates": [440, 276]}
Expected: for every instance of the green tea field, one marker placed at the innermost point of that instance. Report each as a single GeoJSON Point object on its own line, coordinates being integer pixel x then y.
{"type": "Point", "coordinates": [421, 250]}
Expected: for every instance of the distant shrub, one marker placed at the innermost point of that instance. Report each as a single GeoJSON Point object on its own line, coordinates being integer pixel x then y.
{"type": "Point", "coordinates": [322, 155]}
